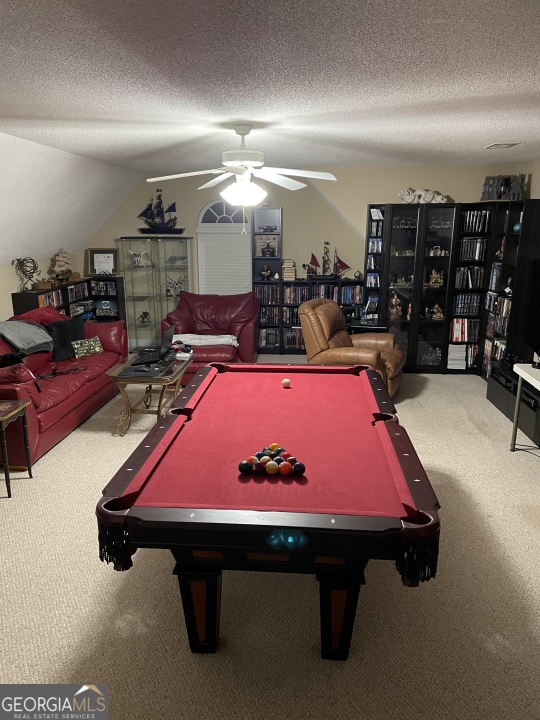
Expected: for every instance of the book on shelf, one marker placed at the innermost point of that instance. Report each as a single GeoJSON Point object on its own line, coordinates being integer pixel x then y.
{"type": "Point", "coordinates": [476, 221]}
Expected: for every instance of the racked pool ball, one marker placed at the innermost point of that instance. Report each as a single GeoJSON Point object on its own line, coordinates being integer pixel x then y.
{"type": "Point", "coordinates": [245, 467]}
{"type": "Point", "coordinates": [285, 468]}
{"type": "Point", "coordinates": [298, 468]}
{"type": "Point", "coordinates": [271, 467]}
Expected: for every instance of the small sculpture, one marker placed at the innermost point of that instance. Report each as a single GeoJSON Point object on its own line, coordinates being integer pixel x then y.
{"type": "Point", "coordinates": [138, 258]}
{"type": "Point", "coordinates": [394, 309]}
{"type": "Point", "coordinates": [173, 285]}
{"type": "Point", "coordinates": [268, 250]}
{"type": "Point", "coordinates": [144, 318]}
{"type": "Point", "coordinates": [265, 273]}
{"type": "Point", "coordinates": [26, 268]}
{"type": "Point", "coordinates": [436, 312]}
{"type": "Point", "coordinates": [410, 196]}
{"type": "Point", "coordinates": [436, 278]}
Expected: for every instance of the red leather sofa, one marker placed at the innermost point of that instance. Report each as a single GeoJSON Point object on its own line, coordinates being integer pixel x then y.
{"type": "Point", "coordinates": [62, 402]}
{"type": "Point", "coordinates": [236, 315]}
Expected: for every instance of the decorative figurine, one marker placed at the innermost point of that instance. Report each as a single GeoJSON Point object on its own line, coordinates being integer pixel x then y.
{"type": "Point", "coordinates": [436, 312]}
{"type": "Point", "coordinates": [436, 278]}
{"type": "Point", "coordinates": [144, 318]}
{"type": "Point", "coordinates": [139, 259]}
{"type": "Point", "coordinates": [329, 271]}
{"type": "Point", "coordinates": [410, 196]}
{"type": "Point", "coordinates": [394, 310]}
{"type": "Point", "coordinates": [499, 254]}
{"type": "Point", "coordinates": [268, 250]}
{"type": "Point", "coordinates": [265, 272]}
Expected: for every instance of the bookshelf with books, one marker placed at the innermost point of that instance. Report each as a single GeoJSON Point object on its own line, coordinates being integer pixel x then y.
{"type": "Point", "coordinates": [469, 273]}
{"type": "Point", "coordinates": [269, 294]}
{"type": "Point", "coordinates": [453, 281]}
{"type": "Point", "coordinates": [511, 291]}
{"type": "Point", "coordinates": [374, 301]}
{"type": "Point", "coordinates": [74, 299]}
{"type": "Point", "coordinates": [107, 294]}
{"type": "Point", "coordinates": [280, 330]}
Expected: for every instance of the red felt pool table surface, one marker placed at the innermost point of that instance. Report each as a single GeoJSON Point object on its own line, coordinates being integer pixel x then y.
{"type": "Point", "coordinates": [364, 493]}
{"type": "Point", "coordinates": [328, 420]}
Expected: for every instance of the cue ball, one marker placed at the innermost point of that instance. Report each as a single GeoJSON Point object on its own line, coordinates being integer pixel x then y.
{"type": "Point", "coordinates": [286, 383]}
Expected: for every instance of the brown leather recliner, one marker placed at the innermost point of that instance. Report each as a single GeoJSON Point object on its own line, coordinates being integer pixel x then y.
{"type": "Point", "coordinates": [328, 343]}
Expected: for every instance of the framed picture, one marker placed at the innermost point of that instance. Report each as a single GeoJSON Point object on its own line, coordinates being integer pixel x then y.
{"type": "Point", "coordinates": [267, 246]}
{"type": "Point", "coordinates": [102, 261]}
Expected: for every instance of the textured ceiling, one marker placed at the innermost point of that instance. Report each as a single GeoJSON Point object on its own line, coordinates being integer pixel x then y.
{"type": "Point", "coordinates": [154, 86]}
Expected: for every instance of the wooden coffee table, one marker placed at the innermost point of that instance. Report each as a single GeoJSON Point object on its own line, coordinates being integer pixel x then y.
{"type": "Point", "coordinates": [168, 384]}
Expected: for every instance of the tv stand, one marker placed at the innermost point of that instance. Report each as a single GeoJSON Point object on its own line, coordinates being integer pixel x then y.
{"type": "Point", "coordinates": [502, 391]}
{"type": "Point", "coordinates": [531, 375]}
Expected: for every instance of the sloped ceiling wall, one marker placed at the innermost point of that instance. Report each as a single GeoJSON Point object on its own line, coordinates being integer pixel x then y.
{"type": "Point", "coordinates": [51, 199]}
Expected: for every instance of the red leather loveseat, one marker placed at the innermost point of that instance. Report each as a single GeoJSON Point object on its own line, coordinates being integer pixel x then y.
{"type": "Point", "coordinates": [75, 390]}
{"type": "Point", "coordinates": [226, 315]}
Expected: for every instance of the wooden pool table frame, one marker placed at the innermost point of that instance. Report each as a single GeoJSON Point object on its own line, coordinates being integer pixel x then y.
{"type": "Point", "coordinates": [204, 542]}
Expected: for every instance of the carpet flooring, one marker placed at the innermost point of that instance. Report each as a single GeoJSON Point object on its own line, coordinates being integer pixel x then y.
{"type": "Point", "coordinates": [465, 645]}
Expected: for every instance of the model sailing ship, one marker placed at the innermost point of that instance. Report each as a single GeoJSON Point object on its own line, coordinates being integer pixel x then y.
{"type": "Point", "coordinates": [61, 266]}
{"type": "Point", "coordinates": [329, 271]}
{"type": "Point", "coordinates": [155, 216]}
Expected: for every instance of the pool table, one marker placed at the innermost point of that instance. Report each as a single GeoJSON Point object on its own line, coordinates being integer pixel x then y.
{"type": "Point", "coordinates": [363, 493]}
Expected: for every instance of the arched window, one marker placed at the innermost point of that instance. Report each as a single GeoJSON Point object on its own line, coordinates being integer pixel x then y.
{"type": "Point", "coordinates": [222, 212]}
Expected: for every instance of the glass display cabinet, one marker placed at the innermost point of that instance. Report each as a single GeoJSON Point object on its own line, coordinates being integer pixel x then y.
{"type": "Point", "coordinates": [155, 269]}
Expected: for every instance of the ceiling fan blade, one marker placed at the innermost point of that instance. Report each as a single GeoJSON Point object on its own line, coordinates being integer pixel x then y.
{"type": "Point", "coordinates": [215, 180]}
{"type": "Point", "coordinates": [303, 173]}
{"type": "Point", "coordinates": [272, 177]}
{"type": "Point", "coordinates": [182, 175]}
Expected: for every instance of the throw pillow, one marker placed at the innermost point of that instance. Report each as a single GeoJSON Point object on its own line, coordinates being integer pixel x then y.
{"type": "Point", "coordinates": [63, 333]}
{"type": "Point", "coordinates": [82, 348]}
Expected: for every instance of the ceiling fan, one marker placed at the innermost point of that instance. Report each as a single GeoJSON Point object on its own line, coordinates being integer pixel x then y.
{"type": "Point", "coordinates": [246, 163]}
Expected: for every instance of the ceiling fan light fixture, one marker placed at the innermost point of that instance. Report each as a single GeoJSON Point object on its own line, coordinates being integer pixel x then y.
{"type": "Point", "coordinates": [243, 192]}
{"type": "Point", "coordinates": [242, 158]}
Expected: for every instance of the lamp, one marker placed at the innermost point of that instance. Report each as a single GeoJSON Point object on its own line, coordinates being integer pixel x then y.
{"type": "Point", "coordinates": [243, 192]}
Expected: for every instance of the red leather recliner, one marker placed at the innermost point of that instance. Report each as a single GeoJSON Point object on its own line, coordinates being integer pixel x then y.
{"type": "Point", "coordinates": [236, 315]}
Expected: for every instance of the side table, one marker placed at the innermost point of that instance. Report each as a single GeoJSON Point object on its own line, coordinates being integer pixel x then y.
{"type": "Point", "coordinates": [527, 373]}
{"type": "Point", "coordinates": [10, 410]}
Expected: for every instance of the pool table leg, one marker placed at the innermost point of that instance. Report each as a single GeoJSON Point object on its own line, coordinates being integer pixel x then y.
{"type": "Point", "coordinates": [338, 597]}
{"type": "Point", "coordinates": [201, 599]}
